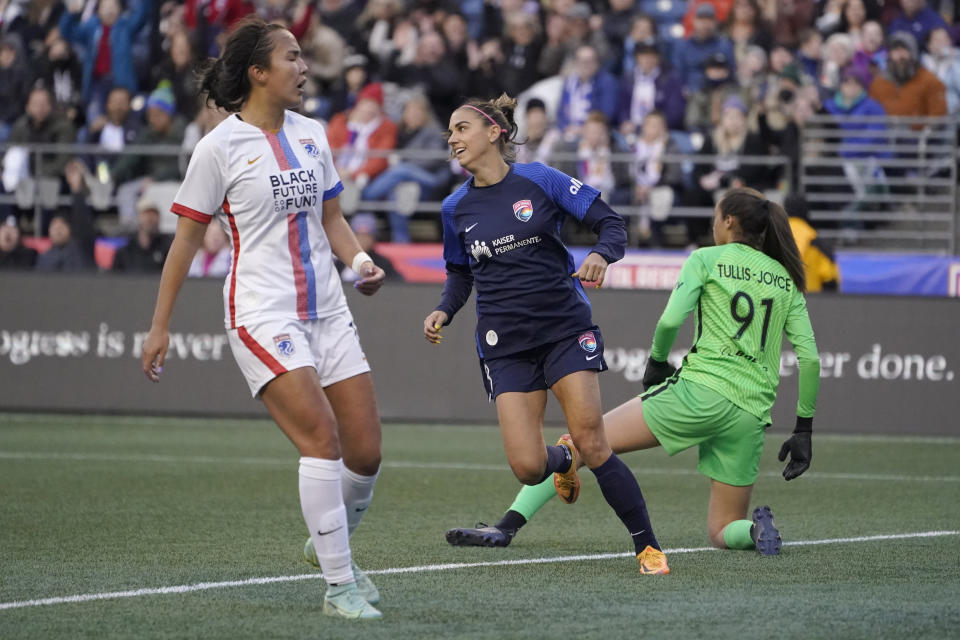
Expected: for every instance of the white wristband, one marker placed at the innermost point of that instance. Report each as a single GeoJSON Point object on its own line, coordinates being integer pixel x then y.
{"type": "Point", "coordinates": [358, 261]}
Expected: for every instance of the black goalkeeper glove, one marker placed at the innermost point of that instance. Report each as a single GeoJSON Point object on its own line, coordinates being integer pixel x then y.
{"type": "Point", "coordinates": [656, 372]}
{"type": "Point", "coordinates": [800, 448]}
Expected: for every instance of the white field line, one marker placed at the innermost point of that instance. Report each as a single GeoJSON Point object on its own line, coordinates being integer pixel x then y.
{"type": "Point", "coordinates": [409, 464]}
{"type": "Point", "coordinates": [149, 421]}
{"type": "Point", "coordinates": [206, 586]}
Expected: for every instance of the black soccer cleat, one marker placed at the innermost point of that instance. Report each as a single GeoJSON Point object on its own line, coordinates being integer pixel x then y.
{"type": "Point", "coordinates": [764, 533]}
{"type": "Point", "coordinates": [481, 536]}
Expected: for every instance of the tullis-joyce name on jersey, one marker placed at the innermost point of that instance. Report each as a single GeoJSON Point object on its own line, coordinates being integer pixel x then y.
{"type": "Point", "coordinates": [294, 190]}
{"type": "Point", "coordinates": [737, 272]}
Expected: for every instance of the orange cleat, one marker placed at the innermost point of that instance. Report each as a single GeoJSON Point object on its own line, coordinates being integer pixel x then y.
{"type": "Point", "coordinates": [568, 484]}
{"type": "Point", "coordinates": [653, 562]}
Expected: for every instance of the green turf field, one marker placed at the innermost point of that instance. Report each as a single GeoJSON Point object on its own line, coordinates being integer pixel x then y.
{"type": "Point", "coordinates": [100, 505]}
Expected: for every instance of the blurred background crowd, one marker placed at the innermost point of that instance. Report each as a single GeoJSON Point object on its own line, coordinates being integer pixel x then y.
{"type": "Point", "coordinates": [611, 91]}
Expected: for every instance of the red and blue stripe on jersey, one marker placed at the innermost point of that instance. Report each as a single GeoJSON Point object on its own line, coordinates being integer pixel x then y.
{"type": "Point", "coordinates": [297, 234]}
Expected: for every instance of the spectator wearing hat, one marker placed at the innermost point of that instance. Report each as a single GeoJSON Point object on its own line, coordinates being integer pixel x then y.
{"type": "Point", "coordinates": [364, 226]}
{"type": "Point", "coordinates": [905, 88]}
{"type": "Point", "coordinates": [943, 60]}
{"type": "Point", "coordinates": [107, 39]}
{"type": "Point", "coordinates": [586, 27]}
{"type": "Point", "coordinates": [14, 82]}
{"type": "Point", "coordinates": [134, 172]}
{"type": "Point", "coordinates": [146, 248]}
{"type": "Point", "coordinates": [852, 100]}
{"type": "Point", "coordinates": [361, 139]}
{"type": "Point", "coordinates": [916, 18]}
{"type": "Point", "coordinates": [651, 87]}
{"type": "Point", "coordinates": [718, 84]}
{"type": "Point", "coordinates": [586, 88]}
{"type": "Point", "coordinates": [424, 174]}
{"type": "Point", "coordinates": [13, 255]}
{"type": "Point", "coordinates": [355, 76]}
{"type": "Point", "coordinates": [72, 233]}
{"type": "Point", "coordinates": [691, 54]}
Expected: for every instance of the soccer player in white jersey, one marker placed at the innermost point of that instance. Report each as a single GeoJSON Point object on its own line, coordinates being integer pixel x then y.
{"type": "Point", "coordinates": [267, 175]}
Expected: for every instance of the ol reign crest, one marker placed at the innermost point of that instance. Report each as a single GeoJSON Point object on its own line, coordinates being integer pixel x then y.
{"type": "Point", "coordinates": [523, 209]}
{"type": "Point", "coordinates": [310, 147]}
{"type": "Point", "coordinates": [284, 344]}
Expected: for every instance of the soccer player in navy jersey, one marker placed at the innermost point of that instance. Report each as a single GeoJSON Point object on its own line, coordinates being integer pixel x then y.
{"type": "Point", "coordinates": [746, 293]}
{"type": "Point", "coordinates": [501, 233]}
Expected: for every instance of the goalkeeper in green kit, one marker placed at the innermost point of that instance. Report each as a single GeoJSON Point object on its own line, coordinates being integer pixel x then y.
{"type": "Point", "coordinates": [745, 294]}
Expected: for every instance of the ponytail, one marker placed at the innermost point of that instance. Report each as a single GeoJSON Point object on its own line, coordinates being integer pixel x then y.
{"type": "Point", "coordinates": [764, 226]}
{"type": "Point", "coordinates": [225, 81]}
{"type": "Point", "coordinates": [500, 112]}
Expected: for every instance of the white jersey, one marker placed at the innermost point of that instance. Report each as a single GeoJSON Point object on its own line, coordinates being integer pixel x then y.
{"type": "Point", "coordinates": [267, 190]}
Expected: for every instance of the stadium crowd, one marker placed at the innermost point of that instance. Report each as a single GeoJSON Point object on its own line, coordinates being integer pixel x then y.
{"type": "Point", "coordinates": [644, 78]}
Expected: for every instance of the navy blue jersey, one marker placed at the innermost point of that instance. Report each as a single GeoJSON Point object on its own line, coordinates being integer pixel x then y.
{"type": "Point", "coordinates": [505, 239]}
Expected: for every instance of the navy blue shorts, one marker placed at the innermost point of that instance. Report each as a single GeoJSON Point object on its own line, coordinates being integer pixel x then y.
{"type": "Point", "coordinates": [541, 367]}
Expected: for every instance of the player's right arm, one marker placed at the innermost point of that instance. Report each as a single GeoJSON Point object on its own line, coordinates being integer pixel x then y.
{"type": "Point", "coordinates": [459, 281]}
{"type": "Point", "coordinates": [186, 243]}
{"type": "Point", "coordinates": [200, 194]}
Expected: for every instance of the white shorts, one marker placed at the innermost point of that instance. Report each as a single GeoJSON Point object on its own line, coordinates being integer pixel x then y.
{"type": "Point", "coordinates": [330, 345]}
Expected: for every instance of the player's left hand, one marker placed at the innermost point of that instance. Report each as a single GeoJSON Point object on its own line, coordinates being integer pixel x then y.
{"type": "Point", "coordinates": [800, 447]}
{"type": "Point", "coordinates": [592, 271]}
{"type": "Point", "coordinates": [371, 279]}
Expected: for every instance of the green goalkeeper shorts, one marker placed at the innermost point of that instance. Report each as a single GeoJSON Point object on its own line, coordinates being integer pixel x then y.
{"type": "Point", "coordinates": [681, 414]}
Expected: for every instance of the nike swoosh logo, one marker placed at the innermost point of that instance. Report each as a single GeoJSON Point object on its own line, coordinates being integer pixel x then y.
{"type": "Point", "coordinates": [593, 356]}
{"type": "Point", "coordinates": [470, 228]}
{"type": "Point", "coordinates": [326, 533]}
{"type": "Point", "coordinates": [638, 532]}
{"type": "Point", "coordinates": [255, 159]}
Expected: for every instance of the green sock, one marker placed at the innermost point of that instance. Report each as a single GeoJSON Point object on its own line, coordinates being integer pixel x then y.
{"type": "Point", "coordinates": [531, 498]}
{"type": "Point", "coordinates": [737, 535]}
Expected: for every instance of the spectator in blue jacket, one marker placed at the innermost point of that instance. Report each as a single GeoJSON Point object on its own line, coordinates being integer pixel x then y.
{"type": "Point", "coordinates": [107, 40]}
{"type": "Point", "coordinates": [918, 19]}
{"type": "Point", "coordinates": [691, 54]}
{"type": "Point", "coordinates": [587, 88]}
{"type": "Point", "coordinates": [650, 87]}
{"type": "Point", "coordinates": [852, 99]}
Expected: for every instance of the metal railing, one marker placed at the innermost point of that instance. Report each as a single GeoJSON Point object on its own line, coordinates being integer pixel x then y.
{"type": "Point", "coordinates": [889, 188]}
{"type": "Point", "coordinates": [878, 182]}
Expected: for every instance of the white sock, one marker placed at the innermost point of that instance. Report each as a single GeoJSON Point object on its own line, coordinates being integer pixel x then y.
{"type": "Point", "coordinates": [357, 494]}
{"type": "Point", "coordinates": [323, 511]}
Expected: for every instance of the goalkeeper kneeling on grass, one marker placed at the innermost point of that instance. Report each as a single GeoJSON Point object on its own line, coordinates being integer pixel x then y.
{"type": "Point", "coordinates": [746, 292]}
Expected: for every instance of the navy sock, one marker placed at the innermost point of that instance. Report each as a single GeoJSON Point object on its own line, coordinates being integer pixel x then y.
{"type": "Point", "coordinates": [558, 460]}
{"type": "Point", "coordinates": [622, 492]}
{"type": "Point", "coordinates": [511, 521]}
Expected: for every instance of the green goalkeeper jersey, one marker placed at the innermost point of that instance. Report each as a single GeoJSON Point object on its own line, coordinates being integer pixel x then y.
{"type": "Point", "coordinates": [745, 301]}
